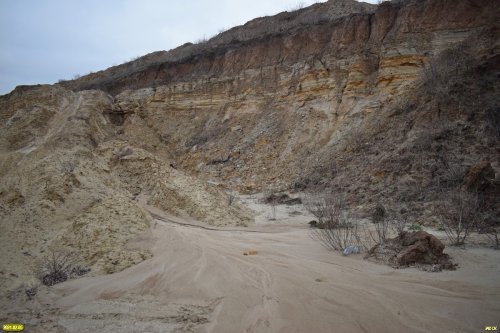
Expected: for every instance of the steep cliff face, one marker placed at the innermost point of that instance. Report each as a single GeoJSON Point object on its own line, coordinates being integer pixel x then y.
{"type": "Point", "coordinates": [394, 30]}
{"type": "Point", "coordinates": [334, 95]}
{"type": "Point", "coordinates": [264, 110]}
{"type": "Point", "coordinates": [232, 39]}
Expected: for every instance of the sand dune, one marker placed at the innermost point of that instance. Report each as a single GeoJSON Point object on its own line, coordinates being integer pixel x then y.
{"type": "Point", "coordinates": [200, 281]}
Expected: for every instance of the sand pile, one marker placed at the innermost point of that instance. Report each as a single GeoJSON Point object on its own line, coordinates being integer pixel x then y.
{"type": "Point", "coordinates": [66, 183]}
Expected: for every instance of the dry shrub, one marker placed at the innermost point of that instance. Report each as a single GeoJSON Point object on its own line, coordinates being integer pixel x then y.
{"type": "Point", "coordinates": [399, 223]}
{"type": "Point", "coordinates": [356, 139]}
{"type": "Point", "coordinates": [452, 177]}
{"type": "Point", "coordinates": [382, 225]}
{"type": "Point", "coordinates": [272, 199]}
{"type": "Point", "coordinates": [324, 206]}
{"type": "Point", "coordinates": [446, 67]}
{"type": "Point", "coordinates": [335, 229]}
{"type": "Point", "coordinates": [490, 226]}
{"type": "Point", "coordinates": [273, 210]}
{"type": "Point", "coordinates": [30, 290]}
{"type": "Point", "coordinates": [492, 233]}
{"type": "Point", "coordinates": [339, 235]}
{"type": "Point", "coordinates": [56, 267]}
{"type": "Point", "coordinates": [459, 215]}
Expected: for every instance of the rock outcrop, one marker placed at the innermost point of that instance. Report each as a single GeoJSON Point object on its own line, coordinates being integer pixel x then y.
{"type": "Point", "coordinates": [301, 97]}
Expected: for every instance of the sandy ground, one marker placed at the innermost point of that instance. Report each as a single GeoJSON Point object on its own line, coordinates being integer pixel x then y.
{"type": "Point", "coordinates": [200, 281]}
{"type": "Point", "coordinates": [265, 214]}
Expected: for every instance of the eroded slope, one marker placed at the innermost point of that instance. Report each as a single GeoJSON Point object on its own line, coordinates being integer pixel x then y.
{"type": "Point", "coordinates": [67, 183]}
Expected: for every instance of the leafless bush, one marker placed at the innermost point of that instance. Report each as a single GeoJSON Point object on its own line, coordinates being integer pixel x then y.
{"type": "Point", "coordinates": [492, 233]}
{"type": "Point", "coordinates": [30, 289]}
{"type": "Point", "coordinates": [222, 30]}
{"type": "Point", "coordinates": [335, 228]}
{"type": "Point", "coordinates": [379, 213]}
{"type": "Point", "coordinates": [273, 210]}
{"type": "Point", "coordinates": [79, 271]}
{"type": "Point", "coordinates": [340, 234]}
{"type": "Point", "coordinates": [56, 267]}
{"type": "Point", "coordinates": [449, 64]}
{"type": "Point", "coordinates": [134, 58]}
{"type": "Point", "coordinates": [297, 7]}
{"type": "Point", "coordinates": [452, 177]}
{"type": "Point", "coordinates": [399, 224]}
{"type": "Point", "coordinates": [459, 215]}
{"type": "Point", "coordinates": [202, 40]}
{"type": "Point", "coordinates": [325, 207]}
{"type": "Point", "coordinates": [356, 139]}
{"type": "Point", "coordinates": [443, 70]}
{"type": "Point", "coordinates": [490, 227]}
{"type": "Point", "coordinates": [381, 231]}
{"type": "Point", "coordinates": [270, 197]}
{"type": "Point", "coordinates": [381, 223]}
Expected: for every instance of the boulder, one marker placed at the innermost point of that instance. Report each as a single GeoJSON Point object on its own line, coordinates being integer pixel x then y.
{"type": "Point", "coordinates": [412, 249]}
{"type": "Point", "coordinates": [419, 247]}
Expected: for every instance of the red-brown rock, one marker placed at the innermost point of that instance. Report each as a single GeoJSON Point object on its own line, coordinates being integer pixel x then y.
{"type": "Point", "coordinates": [416, 248]}
{"type": "Point", "coordinates": [478, 176]}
